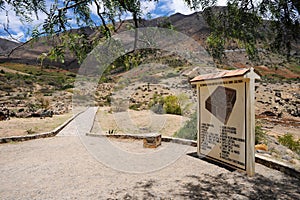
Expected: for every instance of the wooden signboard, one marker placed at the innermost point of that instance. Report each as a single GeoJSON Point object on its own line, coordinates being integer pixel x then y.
{"type": "Point", "coordinates": [226, 121]}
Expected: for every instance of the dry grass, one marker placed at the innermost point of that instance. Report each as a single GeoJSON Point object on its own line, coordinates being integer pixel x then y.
{"type": "Point", "coordinates": [133, 121]}
{"type": "Point", "coordinates": [24, 126]}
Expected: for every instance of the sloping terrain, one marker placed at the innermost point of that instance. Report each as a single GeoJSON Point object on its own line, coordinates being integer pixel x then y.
{"type": "Point", "coordinates": [6, 46]}
{"type": "Point", "coordinates": [193, 25]}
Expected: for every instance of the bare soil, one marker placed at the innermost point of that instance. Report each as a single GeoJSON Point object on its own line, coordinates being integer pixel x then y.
{"type": "Point", "coordinates": [24, 126]}
{"type": "Point", "coordinates": [133, 121]}
{"type": "Point", "coordinates": [62, 168]}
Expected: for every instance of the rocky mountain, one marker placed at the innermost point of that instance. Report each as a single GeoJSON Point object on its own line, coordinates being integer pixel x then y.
{"type": "Point", "coordinates": [6, 46]}
{"type": "Point", "coordinates": [193, 25]}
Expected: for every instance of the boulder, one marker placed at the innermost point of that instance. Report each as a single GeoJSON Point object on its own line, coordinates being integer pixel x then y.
{"type": "Point", "coordinates": [261, 147]}
{"type": "Point", "coordinates": [4, 114]}
{"type": "Point", "coordinates": [268, 113]}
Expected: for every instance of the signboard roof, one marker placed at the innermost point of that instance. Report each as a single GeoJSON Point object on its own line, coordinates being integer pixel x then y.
{"type": "Point", "coordinates": [223, 74]}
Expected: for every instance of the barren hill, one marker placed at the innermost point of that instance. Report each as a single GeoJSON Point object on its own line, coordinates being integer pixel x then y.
{"type": "Point", "coordinates": [192, 25]}
{"type": "Point", "coordinates": [6, 46]}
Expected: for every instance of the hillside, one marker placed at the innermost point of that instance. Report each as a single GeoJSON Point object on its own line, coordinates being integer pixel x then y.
{"type": "Point", "coordinates": [192, 25]}
{"type": "Point", "coordinates": [6, 46]}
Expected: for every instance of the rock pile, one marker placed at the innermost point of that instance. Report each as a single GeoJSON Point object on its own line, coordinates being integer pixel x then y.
{"type": "Point", "coordinates": [278, 100]}
{"type": "Point", "coordinates": [4, 114]}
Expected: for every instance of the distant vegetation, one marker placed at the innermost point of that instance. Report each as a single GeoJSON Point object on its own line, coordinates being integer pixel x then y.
{"type": "Point", "coordinates": [260, 134]}
{"type": "Point", "coordinates": [169, 105]}
{"type": "Point", "coordinates": [189, 130]}
{"type": "Point", "coordinates": [60, 80]}
{"type": "Point", "coordinates": [289, 141]}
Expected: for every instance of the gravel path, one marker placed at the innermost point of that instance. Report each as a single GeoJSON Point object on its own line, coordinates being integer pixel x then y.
{"type": "Point", "coordinates": [63, 168]}
{"type": "Point", "coordinates": [81, 125]}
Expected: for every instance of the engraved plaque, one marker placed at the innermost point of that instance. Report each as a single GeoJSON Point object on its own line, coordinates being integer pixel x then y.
{"type": "Point", "coordinates": [221, 103]}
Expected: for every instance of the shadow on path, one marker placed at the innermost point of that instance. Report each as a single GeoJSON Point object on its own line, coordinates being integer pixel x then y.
{"type": "Point", "coordinates": [238, 186]}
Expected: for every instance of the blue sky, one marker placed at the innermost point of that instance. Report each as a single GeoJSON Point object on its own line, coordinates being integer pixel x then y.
{"type": "Point", "coordinates": [19, 30]}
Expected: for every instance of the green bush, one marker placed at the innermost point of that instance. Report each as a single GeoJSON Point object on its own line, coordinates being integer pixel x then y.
{"type": "Point", "coordinates": [157, 108]}
{"type": "Point", "coordinates": [156, 105]}
{"type": "Point", "coordinates": [189, 130]}
{"type": "Point", "coordinates": [135, 106]}
{"type": "Point", "coordinates": [260, 135]}
{"type": "Point", "coordinates": [289, 141]}
{"type": "Point", "coordinates": [171, 105]}
{"type": "Point", "coordinates": [68, 86]}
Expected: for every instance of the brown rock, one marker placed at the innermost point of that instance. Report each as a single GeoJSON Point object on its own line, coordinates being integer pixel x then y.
{"type": "Point", "coordinates": [295, 162]}
{"type": "Point", "coordinates": [261, 147]}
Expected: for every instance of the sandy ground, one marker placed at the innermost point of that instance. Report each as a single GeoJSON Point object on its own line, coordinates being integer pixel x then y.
{"type": "Point", "coordinates": [62, 168]}
{"type": "Point", "coordinates": [137, 122]}
{"type": "Point", "coordinates": [68, 167]}
{"type": "Point", "coordinates": [24, 126]}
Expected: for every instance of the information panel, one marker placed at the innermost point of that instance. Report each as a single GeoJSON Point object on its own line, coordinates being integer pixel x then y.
{"type": "Point", "coordinates": [223, 121]}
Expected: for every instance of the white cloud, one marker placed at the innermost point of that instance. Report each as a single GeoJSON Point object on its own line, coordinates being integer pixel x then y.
{"type": "Point", "coordinates": [166, 7]}
{"type": "Point", "coordinates": [179, 6]}
{"type": "Point", "coordinates": [13, 23]}
{"type": "Point", "coordinates": [175, 6]}
{"type": "Point", "coordinates": [15, 37]}
{"type": "Point", "coordinates": [93, 8]}
{"type": "Point", "coordinates": [222, 3]}
{"type": "Point", "coordinates": [148, 7]}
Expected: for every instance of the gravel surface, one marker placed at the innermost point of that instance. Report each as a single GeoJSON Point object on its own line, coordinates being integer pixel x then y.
{"type": "Point", "coordinates": [62, 168]}
{"type": "Point", "coordinates": [66, 168]}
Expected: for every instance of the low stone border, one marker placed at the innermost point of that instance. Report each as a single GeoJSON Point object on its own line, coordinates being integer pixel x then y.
{"type": "Point", "coordinates": [142, 136]}
{"type": "Point", "coordinates": [120, 136]}
{"type": "Point", "coordinates": [192, 143]}
{"type": "Point", "coordinates": [52, 133]}
{"type": "Point", "coordinates": [280, 166]}
{"type": "Point", "coordinates": [268, 162]}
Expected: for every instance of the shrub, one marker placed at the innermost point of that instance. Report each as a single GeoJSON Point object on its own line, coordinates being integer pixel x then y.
{"type": "Point", "coordinates": [156, 105]}
{"type": "Point", "coordinates": [30, 131]}
{"type": "Point", "coordinates": [44, 102]}
{"type": "Point", "coordinates": [171, 75]}
{"type": "Point", "coordinates": [119, 105]}
{"type": "Point", "coordinates": [157, 108]}
{"type": "Point", "coordinates": [135, 106]}
{"type": "Point", "coordinates": [112, 131]}
{"type": "Point", "coordinates": [189, 130]}
{"type": "Point", "coordinates": [289, 141]}
{"type": "Point", "coordinates": [68, 86]}
{"type": "Point", "coordinates": [171, 105]}
{"type": "Point", "coordinates": [260, 135]}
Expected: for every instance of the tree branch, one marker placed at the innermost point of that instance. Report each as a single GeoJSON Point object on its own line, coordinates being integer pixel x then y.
{"type": "Point", "coordinates": [102, 19]}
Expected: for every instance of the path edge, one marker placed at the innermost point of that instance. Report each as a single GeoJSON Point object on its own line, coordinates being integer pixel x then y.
{"type": "Point", "coordinates": [52, 133]}
{"type": "Point", "coordinates": [268, 162]}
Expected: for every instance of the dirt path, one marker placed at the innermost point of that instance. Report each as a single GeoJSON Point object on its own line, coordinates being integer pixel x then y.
{"type": "Point", "coordinates": [81, 125]}
{"type": "Point", "coordinates": [66, 168]}
{"type": "Point", "coordinates": [62, 168]}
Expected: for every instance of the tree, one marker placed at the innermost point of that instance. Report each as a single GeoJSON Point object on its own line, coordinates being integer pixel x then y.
{"type": "Point", "coordinates": [109, 12]}
{"type": "Point", "coordinates": [248, 22]}
{"type": "Point", "coordinates": [241, 22]}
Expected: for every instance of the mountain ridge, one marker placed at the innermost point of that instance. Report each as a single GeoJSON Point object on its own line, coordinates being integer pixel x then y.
{"type": "Point", "coordinates": [193, 25]}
